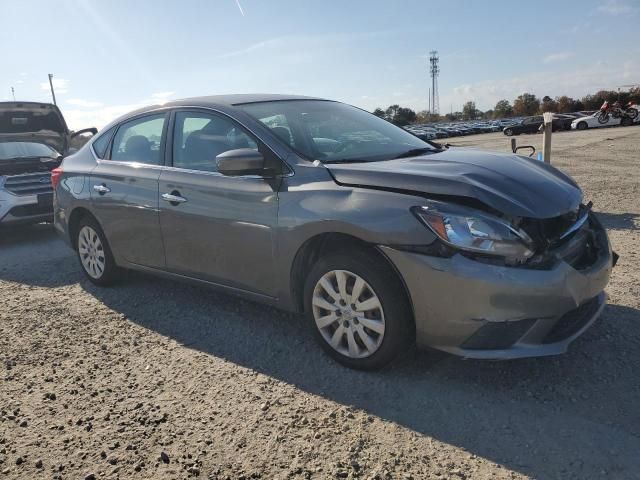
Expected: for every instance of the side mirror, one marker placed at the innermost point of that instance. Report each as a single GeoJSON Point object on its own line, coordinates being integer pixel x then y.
{"type": "Point", "coordinates": [243, 161]}
{"type": "Point", "coordinates": [92, 130]}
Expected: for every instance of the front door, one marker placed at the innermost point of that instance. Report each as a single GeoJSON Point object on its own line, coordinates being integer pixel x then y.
{"type": "Point", "coordinates": [124, 191]}
{"type": "Point", "coordinates": [215, 227]}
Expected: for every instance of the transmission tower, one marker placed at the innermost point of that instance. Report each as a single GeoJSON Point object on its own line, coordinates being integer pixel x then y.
{"type": "Point", "coordinates": [435, 71]}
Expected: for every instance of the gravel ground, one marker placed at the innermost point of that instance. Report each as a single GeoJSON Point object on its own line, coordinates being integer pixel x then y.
{"type": "Point", "coordinates": [157, 379]}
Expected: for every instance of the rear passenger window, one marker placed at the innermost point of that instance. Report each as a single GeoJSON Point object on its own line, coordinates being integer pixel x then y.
{"type": "Point", "coordinates": [139, 140]}
{"type": "Point", "coordinates": [200, 137]}
{"type": "Point", "coordinates": [102, 142]}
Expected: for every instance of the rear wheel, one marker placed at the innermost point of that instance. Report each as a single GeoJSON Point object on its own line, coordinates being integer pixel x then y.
{"type": "Point", "coordinates": [508, 132]}
{"type": "Point", "coordinates": [94, 253]}
{"type": "Point", "coordinates": [632, 113]}
{"type": "Point", "coordinates": [358, 310]}
{"type": "Point", "coordinates": [603, 117]}
{"type": "Point", "coordinates": [626, 122]}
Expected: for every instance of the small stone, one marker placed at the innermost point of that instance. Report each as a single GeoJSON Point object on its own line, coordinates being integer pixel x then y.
{"type": "Point", "coordinates": [19, 461]}
{"type": "Point", "coordinates": [39, 464]}
{"type": "Point", "coordinates": [23, 423]}
{"type": "Point", "coordinates": [264, 407]}
{"type": "Point", "coordinates": [164, 457]}
{"type": "Point", "coordinates": [91, 476]}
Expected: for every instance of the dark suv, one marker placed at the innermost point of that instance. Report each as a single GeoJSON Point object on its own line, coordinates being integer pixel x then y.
{"type": "Point", "coordinates": [314, 206]}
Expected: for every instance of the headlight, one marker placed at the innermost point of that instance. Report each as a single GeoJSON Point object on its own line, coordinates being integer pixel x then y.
{"type": "Point", "coordinates": [475, 231]}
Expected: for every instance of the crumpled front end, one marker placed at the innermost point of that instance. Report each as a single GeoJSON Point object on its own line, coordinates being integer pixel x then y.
{"type": "Point", "coordinates": [479, 308]}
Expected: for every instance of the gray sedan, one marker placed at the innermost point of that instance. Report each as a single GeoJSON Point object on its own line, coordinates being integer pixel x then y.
{"type": "Point", "coordinates": [381, 239]}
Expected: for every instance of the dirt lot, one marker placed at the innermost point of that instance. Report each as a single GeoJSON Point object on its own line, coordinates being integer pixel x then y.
{"type": "Point", "coordinates": [156, 379]}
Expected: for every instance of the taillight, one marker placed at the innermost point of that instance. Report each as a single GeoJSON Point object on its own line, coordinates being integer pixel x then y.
{"type": "Point", "coordinates": [56, 175]}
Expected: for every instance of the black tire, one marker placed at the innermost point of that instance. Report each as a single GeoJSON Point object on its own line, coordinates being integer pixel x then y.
{"type": "Point", "coordinates": [632, 113]}
{"type": "Point", "coordinates": [399, 331]}
{"type": "Point", "coordinates": [581, 126]}
{"type": "Point", "coordinates": [110, 273]}
{"type": "Point", "coordinates": [508, 132]}
{"type": "Point", "coordinates": [603, 118]}
{"type": "Point", "coordinates": [626, 122]}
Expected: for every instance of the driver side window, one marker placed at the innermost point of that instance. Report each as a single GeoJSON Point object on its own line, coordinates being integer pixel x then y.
{"type": "Point", "coordinates": [199, 137]}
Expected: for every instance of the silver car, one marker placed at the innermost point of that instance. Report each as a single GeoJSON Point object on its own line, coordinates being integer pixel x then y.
{"type": "Point", "coordinates": [381, 239]}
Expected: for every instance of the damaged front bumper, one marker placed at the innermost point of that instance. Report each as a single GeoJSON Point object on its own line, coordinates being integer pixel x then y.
{"type": "Point", "coordinates": [480, 310]}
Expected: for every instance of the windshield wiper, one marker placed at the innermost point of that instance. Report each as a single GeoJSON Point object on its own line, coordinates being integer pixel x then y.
{"type": "Point", "coordinates": [418, 151]}
{"type": "Point", "coordinates": [349, 160]}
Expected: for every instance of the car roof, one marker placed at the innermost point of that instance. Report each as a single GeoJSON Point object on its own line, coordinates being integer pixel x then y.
{"type": "Point", "coordinates": [213, 101]}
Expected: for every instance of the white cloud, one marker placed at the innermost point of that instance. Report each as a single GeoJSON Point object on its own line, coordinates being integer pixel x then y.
{"type": "Point", "coordinates": [557, 57]}
{"type": "Point", "coordinates": [96, 117]}
{"type": "Point", "coordinates": [79, 102]}
{"type": "Point", "coordinates": [615, 8]}
{"type": "Point", "coordinates": [60, 85]}
{"type": "Point", "coordinates": [576, 83]}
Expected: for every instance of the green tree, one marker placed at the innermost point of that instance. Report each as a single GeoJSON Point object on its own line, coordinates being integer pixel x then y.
{"type": "Point", "coordinates": [378, 112]}
{"type": "Point", "coordinates": [566, 104]}
{"type": "Point", "coordinates": [400, 115]}
{"type": "Point", "coordinates": [526, 104]}
{"type": "Point", "coordinates": [469, 111]}
{"type": "Point", "coordinates": [503, 109]}
{"type": "Point", "coordinates": [549, 105]}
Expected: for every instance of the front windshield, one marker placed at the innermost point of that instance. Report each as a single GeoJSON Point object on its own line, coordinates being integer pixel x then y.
{"type": "Point", "coordinates": [13, 150]}
{"type": "Point", "coordinates": [334, 132]}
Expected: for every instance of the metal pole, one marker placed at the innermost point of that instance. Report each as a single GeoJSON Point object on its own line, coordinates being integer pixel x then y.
{"type": "Point", "coordinates": [13, 92]}
{"type": "Point", "coordinates": [546, 142]}
{"type": "Point", "coordinates": [53, 94]}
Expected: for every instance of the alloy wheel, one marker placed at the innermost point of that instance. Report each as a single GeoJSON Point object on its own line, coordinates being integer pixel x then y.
{"type": "Point", "coordinates": [348, 313]}
{"type": "Point", "coordinates": [91, 251]}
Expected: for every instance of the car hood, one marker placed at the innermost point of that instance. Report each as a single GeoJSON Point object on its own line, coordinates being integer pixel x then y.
{"type": "Point", "coordinates": [515, 185]}
{"type": "Point", "coordinates": [33, 122]}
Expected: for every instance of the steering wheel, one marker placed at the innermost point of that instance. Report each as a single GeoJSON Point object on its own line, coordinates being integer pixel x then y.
{"type": "Point", "coordinates": [346, 144]}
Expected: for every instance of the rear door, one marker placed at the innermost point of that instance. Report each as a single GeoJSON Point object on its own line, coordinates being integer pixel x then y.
{"type": "Point", "coordinates": [221, 228]}
{"type": "Point", "coordinates": [124, 190]}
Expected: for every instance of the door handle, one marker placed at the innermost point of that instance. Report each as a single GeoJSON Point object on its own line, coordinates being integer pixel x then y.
{"type": "Point", "coordinates": [173, 198]}
{"type": "Point", "coordinates": [101, 189]}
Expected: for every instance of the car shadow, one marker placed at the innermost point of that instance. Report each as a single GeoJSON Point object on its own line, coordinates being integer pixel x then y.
{"type": "Point", "coordinates": [35, 255]}
{"type": "Point", "coordinates": [619, 221]}
{"type": "Point", "coordinates": [574, 415]}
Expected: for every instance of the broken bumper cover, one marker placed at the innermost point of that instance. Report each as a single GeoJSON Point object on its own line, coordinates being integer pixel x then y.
{"type": "Point", "coordinates": [478, 310]}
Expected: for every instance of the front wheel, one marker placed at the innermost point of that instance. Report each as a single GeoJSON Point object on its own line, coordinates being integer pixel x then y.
{"type": "Point", "coordinates": [94, 253]}
{"type": "Point", "coordinates": [582, 126]}
{"type": "Point", "coordinates": [508, 132]}
{"type": "Point", "coordinates": [603, 117]}
{"type": "Point", "coordinates": [358, 310]}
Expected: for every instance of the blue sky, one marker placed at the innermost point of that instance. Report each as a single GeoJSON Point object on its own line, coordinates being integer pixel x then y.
{"type": "Point", "coordinates": [109, 57]}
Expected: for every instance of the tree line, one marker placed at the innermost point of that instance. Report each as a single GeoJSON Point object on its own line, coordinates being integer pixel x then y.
{"type": "Point", "coordinates": [525, 105]}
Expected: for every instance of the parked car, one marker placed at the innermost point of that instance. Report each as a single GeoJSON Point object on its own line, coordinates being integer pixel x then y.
{"type": "Point", "coordinates": [33, 140]}
{"type": "Point", "coordinates": [533, 125]}
{"type": "Point", "coordinates": [527, 125]}
{"type": "Point", "coordinates": [379, 238]}
{"type": "Point", "coordinates": [562, 121]}
{"type": "Point", "coordinates": [592, 121]}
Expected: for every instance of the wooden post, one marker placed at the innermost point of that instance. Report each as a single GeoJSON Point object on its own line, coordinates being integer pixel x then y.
{"type": "Point", "coordinates": [546, 141]}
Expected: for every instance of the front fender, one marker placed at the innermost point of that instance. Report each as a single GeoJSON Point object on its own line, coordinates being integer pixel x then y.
{"type": "Point", "coordinates": [307, 210]}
